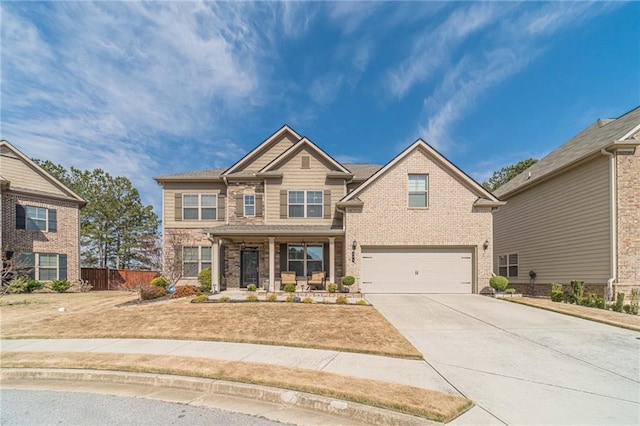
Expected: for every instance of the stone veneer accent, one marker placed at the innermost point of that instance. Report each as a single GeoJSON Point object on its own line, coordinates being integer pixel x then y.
{"type": "Point", "coordinates": [66, 240]}
{"type": "Point", "coordinates": [628, 181]}
{"type": "Point", "coordinates": [248, 188]}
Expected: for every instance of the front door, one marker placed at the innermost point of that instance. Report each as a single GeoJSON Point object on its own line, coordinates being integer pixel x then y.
{"type": "Point", "coordinates": [249, 262]}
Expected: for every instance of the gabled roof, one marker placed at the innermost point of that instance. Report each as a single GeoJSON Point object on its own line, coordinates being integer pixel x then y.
{"type": "Point", "coordinates": [362, 171]}
{"type": "Point", "coordinates": [485, 198]}
{"type": "Point", "coordinates": [42, 172]}
{"type": "Point", "coordinates": [191, 176]}
{"type": "Point", "coordinates": [603, 134]}
{"type": "Point", "coordinates": [262, 147]}
{"type": "Point", "coordinates": [297, 147]}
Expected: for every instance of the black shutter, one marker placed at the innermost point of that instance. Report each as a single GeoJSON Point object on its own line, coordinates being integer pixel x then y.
{"type": "Point", "coordinates": [62, 266]}
{"type": "Point", "coordinates": [53, 220]}
{"type": "Point", "coordinates": [21, 217]}
{"type": "Point", "coordinates": [283, 257]}
{"type": "Point", "coordinates": [178, 212]}
{"type": "Point", "coordinates": [325, 255]}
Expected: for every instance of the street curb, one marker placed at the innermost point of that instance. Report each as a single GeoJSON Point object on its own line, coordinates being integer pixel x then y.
{"type": "Point", "coordinates": [302, 400]}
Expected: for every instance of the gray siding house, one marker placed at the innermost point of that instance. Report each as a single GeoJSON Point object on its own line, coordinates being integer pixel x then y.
{"type": "Point", "coordinates": [575, 214]}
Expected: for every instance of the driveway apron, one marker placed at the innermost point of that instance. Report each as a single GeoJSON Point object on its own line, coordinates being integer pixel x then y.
{"type": "Point", "coordinates": [520, 364]}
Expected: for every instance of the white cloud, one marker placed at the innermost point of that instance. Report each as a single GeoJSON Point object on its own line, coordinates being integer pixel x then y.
{"type": "Point", "coordinates": [325, 89]}
{"type": "Point", "coordinates": [351, 15]}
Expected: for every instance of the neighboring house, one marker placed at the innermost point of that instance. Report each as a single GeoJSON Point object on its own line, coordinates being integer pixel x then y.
{"type": "Point", "coordinates": [40, 218]}
{"type": "Point", "coordinates": [575, 214]}
{"type": "Point", "coordinates": [416, 225]}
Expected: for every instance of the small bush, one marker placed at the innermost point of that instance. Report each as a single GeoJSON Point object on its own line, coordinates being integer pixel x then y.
{"type": "Point", "coordinates": [184, 291]}
{"type": "Point", "coordinates": [272, 298]}
{"type": "Point", "coordinates": [498, 283]}
{"type": "Point", "coordinates": [635, 296]}
{"type": "Point", "coordinates": [556, 292]}
{"type": "Point", "coordinates": [204, 278]}
{"type": "Point", "coordinates": [569, 298]}
{"type": "Point", "coordinates": [509, 290]}
{"type": "Point", "coordinates": [24, 285]}
{"type": "Point", "coordinates": [160, 282]}
{"type": "Point", "coordinates": [341, 300]}
{"type": "Point", "coordinates": [289, 288]}
{"type": "Point", "coordinates": [332, 287]}
{"type": "Point", "coordinates": [252, 287]}
{"type": "Point", "coordinates": [617, 306]}
{"type": "Point", "coordinates": [60, 285]}
{"type": "Point", "coordinates": [361, 302]}
{"type": "Point", "coordinates": [201, 298]}
{"type": "Point", "coordinates": [626, 309]}
{"type": "Point", "coordinates": [224, 299]}
{"type": "Point", "coordinates": [600, 303]}
{"type": "Point", "coordinates": [149, 292]}
{"type": "Point", "coordinates": [290, 298]}
{"type": "Point", "coordinates": [307, 300]}
{"type": "Point", "coordinates": [348, 280]}
{"type": "Point", "coordinates": [325, 301]}
{"type": "Point", "coordinates": [252, 297]}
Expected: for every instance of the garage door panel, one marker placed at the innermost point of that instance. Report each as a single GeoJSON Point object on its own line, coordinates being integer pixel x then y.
{"type": "Point", "coordinates": [411, 270]}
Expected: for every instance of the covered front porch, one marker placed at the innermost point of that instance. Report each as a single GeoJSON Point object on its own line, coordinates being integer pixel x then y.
{"type": "Point", "coordinates": [262, 254]}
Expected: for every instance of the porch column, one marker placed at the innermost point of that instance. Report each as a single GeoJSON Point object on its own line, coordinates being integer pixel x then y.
{"type": "Point", "coordinates": [272, 263]}
{"type": "Point", "coordinates": [332, 259]}
{"type": "Point", "coordinates": [215, 261]}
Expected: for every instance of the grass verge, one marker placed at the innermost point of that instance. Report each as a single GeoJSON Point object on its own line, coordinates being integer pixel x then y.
{"type": "Point", "coordinates": [429, 404]}
{"type": "Point", "coordinates": [111, 315]}
{"type": "Point", "coordinates": [631, 322]}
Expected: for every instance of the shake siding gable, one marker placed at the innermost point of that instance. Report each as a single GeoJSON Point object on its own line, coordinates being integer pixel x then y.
{"type": "Point", "coordinates": [560, 228]}
{"type": "Point", "coordinates": [23, 176]}
{"type": "Point", "coordinates": [270, 153]}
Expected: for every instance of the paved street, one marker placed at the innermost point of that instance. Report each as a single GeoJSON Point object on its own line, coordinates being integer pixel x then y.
{"type": "Point", "coordinates": [521, 364]}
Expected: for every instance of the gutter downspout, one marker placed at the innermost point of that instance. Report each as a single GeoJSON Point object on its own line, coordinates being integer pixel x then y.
{"type": "Point", "coordinates": [614, 223]}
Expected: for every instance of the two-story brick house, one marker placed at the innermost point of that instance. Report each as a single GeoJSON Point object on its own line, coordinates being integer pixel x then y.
{"type": "Point", "coordinates": [416, 225]}
{"type": "Point", "coordinates": [40, 218]}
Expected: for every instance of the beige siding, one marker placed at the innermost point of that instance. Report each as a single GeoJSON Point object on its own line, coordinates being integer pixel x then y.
{"type": "Point", "coordinates": [172, 188]}
{"type": "Point", "coordinates": [450, 221]}
{"type": "Point", "coordinates": [270, 153]}
{"type": "Point", "coordinates": [559, 228]}
{"type": "Point", "coordinates": [23, 176]}
{"type": "Point", "coordinates": [628, 182]}
{"type": "Point", "coordinates": [297, 178]}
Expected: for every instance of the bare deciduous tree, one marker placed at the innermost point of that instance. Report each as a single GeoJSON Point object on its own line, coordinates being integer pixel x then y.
{"type": "Point", "coordinates": [13, 265]}
{"type": "Point", "coordinates": [174, 241]}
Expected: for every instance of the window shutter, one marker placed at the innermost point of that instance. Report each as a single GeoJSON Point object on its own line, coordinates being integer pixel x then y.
{"type": "Point", "coordinates": [283, 204]}
{"type": "Point", "coordinates": [283, 257]}
{"type": "Point", "coordinates": [53, 220]}
{"type": "Point", "coordinates": [222, 206]}
{"type": "Point", "coordinates": [239, 205]}
{"type": "Point", "coordinates": [327, 204]}
{"type": "Point", "coordinates": [258, 205]}
{"type": "Point", "coordinates": [178, 214]}
{"type": "Point", "coordinates": [62, 266]}
{"type": "Point", "coordinates": [21, 217]}
{"type": "Point", "coordinates": [325, 255]}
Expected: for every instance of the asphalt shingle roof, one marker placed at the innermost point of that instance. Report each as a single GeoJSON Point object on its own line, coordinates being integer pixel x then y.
{"type": "Point", "coordinates": [362, 171]}
{"type": "Point", "coordinates": [591, 140]}
{"type": "Point", "coordinates": [198, 174]}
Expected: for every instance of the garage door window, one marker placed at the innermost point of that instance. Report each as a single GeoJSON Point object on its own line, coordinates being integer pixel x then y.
{"type": "Point", "coordinates": [418, 194]}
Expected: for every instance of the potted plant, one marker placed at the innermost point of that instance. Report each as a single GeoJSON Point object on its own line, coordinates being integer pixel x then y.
{"type": "Point", "coordinates": [347, 282]}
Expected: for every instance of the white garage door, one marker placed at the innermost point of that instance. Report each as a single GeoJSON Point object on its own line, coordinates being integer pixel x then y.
{"type": "Point", "coordinates": [409, 270]}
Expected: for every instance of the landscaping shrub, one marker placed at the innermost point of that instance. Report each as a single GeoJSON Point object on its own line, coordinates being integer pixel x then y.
{"type": "Point", "coordinates": [60, 285]}
{"type": "Point", "coordinates": [201, 298]}
{"type": "Point", "coordinates": [160, 282]}
{"type": "Point", "coordinates": [24, 285]}
{"type": "Point", "coordinates": [184, 291]}
{"type": "Point", "coordinates": [289, 288]}
{"type": "Point", "coordinates": [348, 280]}
{"type": "Point", "coordinates": [204, 278]}
{"type": "Point", "coordinates": [498, 283]}
{"type": "Point", "coordinates": [224, 299]}
{"type": "Point", "coordinates": [252, 297]}
{"type": "Point", "coordinates": [556, 292]}
{"type": "Point", "coordinates": [252, 287]}
{"type": "Point", "coordinates": [626, 309]}
{"type": "Point", "coordinates": [569, 298]}
{"type": "Point", "coordinates": [307, 300]}
{"type": "Point", "coordinates": [361, 302]}
{"type": "Point", "coordinates": [509, 290]}
{"type": "Point", "coordinates": [332, 287]}
{"type": "Point", "coordinates": [619, 303]}
{"type": "Point", "coordinates": [149, 292]}
{"type": "Point", "coordinates": [341, 300]}
{"type": "Point", "coordinates": [635, 296]}
{"type": "Point", "coordinates": [290, 298]}
{"type": "Point", "coordinates": [600, 303]}
{"type": "Point", "coordinates": [578, 290]}
{"type": "Point", "coordinates": [272, 298]}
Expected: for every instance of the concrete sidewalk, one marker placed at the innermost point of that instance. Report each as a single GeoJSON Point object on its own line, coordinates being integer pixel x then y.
{"type": "Point", "coordinates": [416, 373]}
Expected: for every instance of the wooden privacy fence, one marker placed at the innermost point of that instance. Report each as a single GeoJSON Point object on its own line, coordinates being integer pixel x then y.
{"type": "Point", "coordinates": [114, 279]}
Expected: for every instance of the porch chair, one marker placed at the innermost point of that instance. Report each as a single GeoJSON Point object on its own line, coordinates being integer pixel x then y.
{"type": "Point", "coordinates": [317, 279]}
{"type": "Point", "coordinates": [288, 277]}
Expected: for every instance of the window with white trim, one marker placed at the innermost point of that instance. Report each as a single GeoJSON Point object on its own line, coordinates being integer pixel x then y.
{"type": "Point", "coordinates": [417, 186]}
{"type": "Point", "coordinates": [199, 206]}
{"type": "Point", "coordinates": [508, 265]}
{"type": "Point", "coordinates": [249, 205]}
{"type": "Point", "coordinates": [305, 259]}
{"type": "Point", "coordinates": [44, 266]}
{"type": "Point", "coordinates": [195, 259]}
{"type": "Point", "coordinates": [36, 218]}
{"type": "Point", "coordinates": [305, 203]}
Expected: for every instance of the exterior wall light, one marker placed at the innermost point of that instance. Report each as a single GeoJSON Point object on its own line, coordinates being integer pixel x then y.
{"type": "Point", "coordinates": [485, 245]}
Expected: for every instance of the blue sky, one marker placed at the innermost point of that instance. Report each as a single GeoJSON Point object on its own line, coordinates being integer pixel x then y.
{"type": "Point", "coordinates": [145, 89]}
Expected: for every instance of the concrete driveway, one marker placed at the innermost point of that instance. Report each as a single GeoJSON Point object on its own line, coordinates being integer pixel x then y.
{"type": "Point", "coordinates": [523, 365]}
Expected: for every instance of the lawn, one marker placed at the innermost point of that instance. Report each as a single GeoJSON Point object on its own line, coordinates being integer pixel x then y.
{"type": "Point", "coordinates": [632, 322]}
{"type": "Point", "coordinates": [113, 315]}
